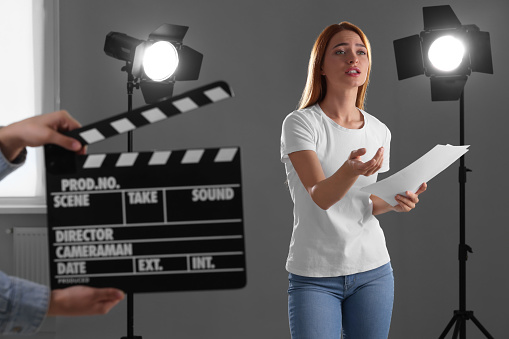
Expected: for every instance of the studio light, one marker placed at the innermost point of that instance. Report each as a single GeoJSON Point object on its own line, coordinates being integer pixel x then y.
{"type": "Point", "coordinates": [446, 51]}
{"type": "Point", "coordinates": [160, 60]}
{"type": "Point", "coordinates": [156, 64]}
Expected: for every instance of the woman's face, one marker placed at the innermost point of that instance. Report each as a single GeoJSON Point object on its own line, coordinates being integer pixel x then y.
{"type": "Point", "coordinates": [346, 63]}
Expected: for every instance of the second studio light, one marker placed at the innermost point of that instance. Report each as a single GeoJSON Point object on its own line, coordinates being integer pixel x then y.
{"type": "Point", "coordinates": [156, 64]}
{"type": "Point", "coordinates": [446, 51]}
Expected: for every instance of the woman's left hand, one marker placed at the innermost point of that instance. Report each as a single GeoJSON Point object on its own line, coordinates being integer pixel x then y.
{"type": "Point", "coordinates": [407, 203]}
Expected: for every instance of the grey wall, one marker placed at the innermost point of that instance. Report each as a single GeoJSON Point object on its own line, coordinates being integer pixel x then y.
{"type": "Point", "coordinates": [261, 49]}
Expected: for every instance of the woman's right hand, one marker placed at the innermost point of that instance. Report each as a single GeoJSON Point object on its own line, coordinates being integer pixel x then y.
{"type": "Point", "coordinates": [368, 168]}
{"type": "Point", "coordinates": [325, 192]}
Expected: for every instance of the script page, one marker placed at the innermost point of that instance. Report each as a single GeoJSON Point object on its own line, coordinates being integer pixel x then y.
{"type": "Point", "coordinates": [422, 170]}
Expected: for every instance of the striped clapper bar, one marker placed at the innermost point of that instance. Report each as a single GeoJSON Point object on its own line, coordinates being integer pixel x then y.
{"type": "Point", "coordinates": [146, 221]}
{"type": "Point", "coordinates": [154, 113]}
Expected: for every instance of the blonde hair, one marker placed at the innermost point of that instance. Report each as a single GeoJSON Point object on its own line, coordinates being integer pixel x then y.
{"type": "Point", "coordinates": [316, 86]}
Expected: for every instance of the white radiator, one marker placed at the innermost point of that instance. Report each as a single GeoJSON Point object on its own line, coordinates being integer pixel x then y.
{"type": "Point", "coordinates": [31, 262]}
{"type": "Point", "coordinates": [31, 254]}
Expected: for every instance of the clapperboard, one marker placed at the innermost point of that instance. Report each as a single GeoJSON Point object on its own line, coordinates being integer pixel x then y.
{"type": "Point", "coordinates": [146, 221]}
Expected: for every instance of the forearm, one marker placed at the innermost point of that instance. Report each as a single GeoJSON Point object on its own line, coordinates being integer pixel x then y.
{"type": "Point", "coordinates": [325, 192]}
{"type": "Point", "coordinates": [380, 206]}
{"type": "Point", "coordinates": [332, 189]}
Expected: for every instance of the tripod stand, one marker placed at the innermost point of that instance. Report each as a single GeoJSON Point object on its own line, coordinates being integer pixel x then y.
{"type": "Point", "coordinates": [462, 315]}
{"type": "Point", "coordinates": [131, 84]}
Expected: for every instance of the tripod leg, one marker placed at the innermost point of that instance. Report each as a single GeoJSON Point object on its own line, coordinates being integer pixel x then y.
{"type": "Point", "coordinates": [448, 328]}
{"type": "Point", "coordinates": [457, 328]}
{"type": "Point", "coordinates": [481, 327]}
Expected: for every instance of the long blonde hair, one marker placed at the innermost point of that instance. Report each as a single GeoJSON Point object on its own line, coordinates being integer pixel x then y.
{"type": "Point", "coordinates": [316, 86]}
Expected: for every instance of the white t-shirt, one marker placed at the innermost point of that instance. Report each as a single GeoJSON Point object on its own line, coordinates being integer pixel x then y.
{"type": "Point", "coordinates": [347, 238]}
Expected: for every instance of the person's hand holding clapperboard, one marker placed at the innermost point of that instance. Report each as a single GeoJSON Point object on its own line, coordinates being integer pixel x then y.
{"type": "Point", "coordinates": [29, 301]}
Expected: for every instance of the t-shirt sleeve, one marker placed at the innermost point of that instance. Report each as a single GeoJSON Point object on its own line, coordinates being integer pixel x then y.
{"type": "Point", "coordinates": [296, 135]}
{"type": "Point", "coordinates": [387, 151]}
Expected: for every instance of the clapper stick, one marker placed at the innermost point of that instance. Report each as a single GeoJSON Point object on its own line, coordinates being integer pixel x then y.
{"type": "Point", "coordinates": [154, 113]}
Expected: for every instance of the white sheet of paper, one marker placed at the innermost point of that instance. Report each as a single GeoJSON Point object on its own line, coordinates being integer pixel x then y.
{"type": "Point", "coordinates": [422, 170]}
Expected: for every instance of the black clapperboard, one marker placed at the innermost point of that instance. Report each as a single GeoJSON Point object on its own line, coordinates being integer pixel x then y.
{"type": "Point", "coordinates": [146, 221]}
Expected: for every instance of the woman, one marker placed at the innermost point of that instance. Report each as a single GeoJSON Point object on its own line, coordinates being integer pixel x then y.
{"type": "Point", "coordinates": [340, 277]}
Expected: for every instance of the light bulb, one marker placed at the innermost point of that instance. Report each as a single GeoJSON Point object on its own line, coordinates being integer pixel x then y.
{"type": "Point", "coordinates": [446, 53]}
{"type": "Point", "coordinates": [160, 60]}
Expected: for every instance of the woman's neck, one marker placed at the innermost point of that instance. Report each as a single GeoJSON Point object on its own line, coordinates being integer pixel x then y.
{"type": "Point", "coordinates": [341, 108]}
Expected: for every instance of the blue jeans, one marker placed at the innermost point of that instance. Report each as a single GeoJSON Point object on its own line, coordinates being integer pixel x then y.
{"type": "Point", "coordinates": [360, 305]}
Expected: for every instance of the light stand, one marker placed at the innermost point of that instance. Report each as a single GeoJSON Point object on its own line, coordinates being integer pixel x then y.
{"type": "Point", "coordinates": [447, 84]}
{"type": "Point", "coordinates": [183, 63]}
{"type": "Point", "coordinates": [462, 315]}
{"type": "Point", "coordinates": [130, 317]}
{"type": "Point", "coordinates": [131, 84]}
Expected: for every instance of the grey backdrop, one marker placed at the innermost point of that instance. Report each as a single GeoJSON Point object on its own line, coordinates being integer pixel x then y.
{"type": "Point", "coordinates": [261, 49]}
